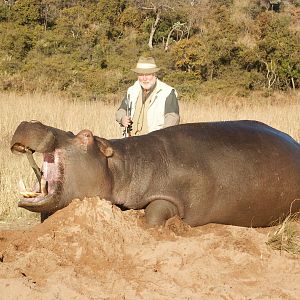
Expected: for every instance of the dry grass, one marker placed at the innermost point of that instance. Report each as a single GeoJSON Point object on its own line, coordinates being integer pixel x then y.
{"type": "Point", "coordinates": [286, 237]}
{"type": "Point", "coordinates": [70, 115]}
{"type": "Point", "coordinates": [49, 109]}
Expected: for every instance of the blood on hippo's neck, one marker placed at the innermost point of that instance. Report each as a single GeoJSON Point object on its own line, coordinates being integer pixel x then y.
{"type": "Point", "coordinates": [49, 157]}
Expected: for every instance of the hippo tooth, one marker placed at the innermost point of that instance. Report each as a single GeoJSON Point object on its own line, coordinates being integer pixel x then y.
{"type": "Point", "coordinates": [22, 187]}
{"type": "Point", "coordinates": [30, 194]}
{"type": "Point", "coordinates": [44, 186]}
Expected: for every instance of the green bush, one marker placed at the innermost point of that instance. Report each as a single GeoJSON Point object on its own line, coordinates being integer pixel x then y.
{"type": "Point", "coordinates": [27, 12]}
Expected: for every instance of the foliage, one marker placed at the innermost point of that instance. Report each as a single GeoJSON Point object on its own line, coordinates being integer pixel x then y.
{"type": "Point", "coordinates": [16, 41]}
{"type": "Point", "coordinates": [86, 48]}
{"type": "Point", "coordinates": [280, 46]}
{"type": "Point", "coordinates": [26, 12]}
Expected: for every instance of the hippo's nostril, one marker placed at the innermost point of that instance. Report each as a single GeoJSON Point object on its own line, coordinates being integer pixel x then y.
{"type": "Point", "coordinates": [18, 148]}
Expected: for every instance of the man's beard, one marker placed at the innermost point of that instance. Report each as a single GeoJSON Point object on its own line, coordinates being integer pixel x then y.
{"type": "Point", "coordinates": [147, 85]}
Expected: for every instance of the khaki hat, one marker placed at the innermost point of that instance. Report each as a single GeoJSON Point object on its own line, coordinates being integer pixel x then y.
{"type": "Point", "coordinates": [146, 65]}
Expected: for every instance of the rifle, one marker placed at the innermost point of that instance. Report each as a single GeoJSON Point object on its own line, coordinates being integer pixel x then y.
{"type": "Point", "coordinates": [128, 129]}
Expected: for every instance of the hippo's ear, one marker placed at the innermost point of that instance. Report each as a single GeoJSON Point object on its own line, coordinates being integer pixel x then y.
{"type": "Point", "coordinates": [105, 147]}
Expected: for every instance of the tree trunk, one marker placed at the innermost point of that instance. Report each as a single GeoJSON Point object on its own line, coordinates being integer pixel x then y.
{"type": "Point", "coordinates": [293, 83]}
{"type": "Point", "coordinates": [168, 39]}
{"type": "Point", "coordinates": [153, 29]}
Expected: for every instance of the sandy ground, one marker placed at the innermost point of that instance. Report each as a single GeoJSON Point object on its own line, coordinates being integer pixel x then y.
{"type": "Point", "coordinates": [93, 250]}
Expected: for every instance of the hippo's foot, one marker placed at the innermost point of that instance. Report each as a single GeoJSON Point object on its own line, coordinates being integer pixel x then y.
{"type": "Point", "coordinates": [159, 211]}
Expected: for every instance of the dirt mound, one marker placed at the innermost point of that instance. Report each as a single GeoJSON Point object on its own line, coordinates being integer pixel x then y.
{"type": "Point", "coordinates": [93, 250]}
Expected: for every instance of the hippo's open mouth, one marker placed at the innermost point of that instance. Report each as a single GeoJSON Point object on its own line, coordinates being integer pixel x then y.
{"type": "Point", "coordinates": [45, 197]}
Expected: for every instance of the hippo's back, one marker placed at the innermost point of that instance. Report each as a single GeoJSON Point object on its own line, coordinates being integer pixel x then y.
{"type": "Point", "coordinates": [240, 172]}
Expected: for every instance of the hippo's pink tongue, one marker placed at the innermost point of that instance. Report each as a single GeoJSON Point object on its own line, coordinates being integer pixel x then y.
{"type": "Point", "coordinates": [50, 171]}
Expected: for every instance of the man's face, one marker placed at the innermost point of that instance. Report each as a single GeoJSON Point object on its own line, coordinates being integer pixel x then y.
{"type": "Point", "coordinates": [147, 81]}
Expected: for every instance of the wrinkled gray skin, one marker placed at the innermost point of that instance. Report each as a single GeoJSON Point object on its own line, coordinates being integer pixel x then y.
{"type": "Point", "coordinates": [242, 173]}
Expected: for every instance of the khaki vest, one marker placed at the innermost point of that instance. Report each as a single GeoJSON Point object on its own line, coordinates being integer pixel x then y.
{"type": "Point", "coordinates": [140, 121]}
{"type": "Point", "coordinates": [156, 110]}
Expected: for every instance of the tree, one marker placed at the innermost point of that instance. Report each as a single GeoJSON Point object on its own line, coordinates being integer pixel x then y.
{"type": "Point", "coordinates": [27, 12]}
{"type": "Point", "coordinates": [189, 55]}
{"type": "Point", "coordinates": [156, 10]}
{"type": "Point", "coordinates": [278, 51]}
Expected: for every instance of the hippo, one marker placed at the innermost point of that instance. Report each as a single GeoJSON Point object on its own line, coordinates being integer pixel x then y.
{"type": "Point", "coordinates": [242, 173]}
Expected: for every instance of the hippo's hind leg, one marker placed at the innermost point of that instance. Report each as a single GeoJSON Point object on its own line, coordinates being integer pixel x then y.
{"type": "Point", "coordinates": [159, 211]}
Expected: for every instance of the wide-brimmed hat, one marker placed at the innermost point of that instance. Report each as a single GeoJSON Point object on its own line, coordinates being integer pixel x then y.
{"type": "Point", "coordinates": [146, 65]}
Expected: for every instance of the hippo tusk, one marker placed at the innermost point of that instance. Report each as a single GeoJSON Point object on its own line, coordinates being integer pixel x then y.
{"type": "Point", "coordinates": [44, 187]}
{"type": "Point", "coordinates": [19, 148]}
{"type": "Point", "coordinates": [34, 166]}
{"type": "Point", "coordinates": [22, 187]}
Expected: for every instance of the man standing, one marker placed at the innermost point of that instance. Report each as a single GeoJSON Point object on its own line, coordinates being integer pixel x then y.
{"type": "Point", "coordinates": [149, 104]}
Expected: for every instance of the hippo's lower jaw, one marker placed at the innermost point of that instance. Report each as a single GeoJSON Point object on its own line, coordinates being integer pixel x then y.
{"type": "Point", "coordinates": [48, 195]}
{"type": "Point", "coordinates": [40, 203]}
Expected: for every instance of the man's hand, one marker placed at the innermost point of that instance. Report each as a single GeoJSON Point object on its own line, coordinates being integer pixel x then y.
{"type": "Point", "coordinates": [126, 121]}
